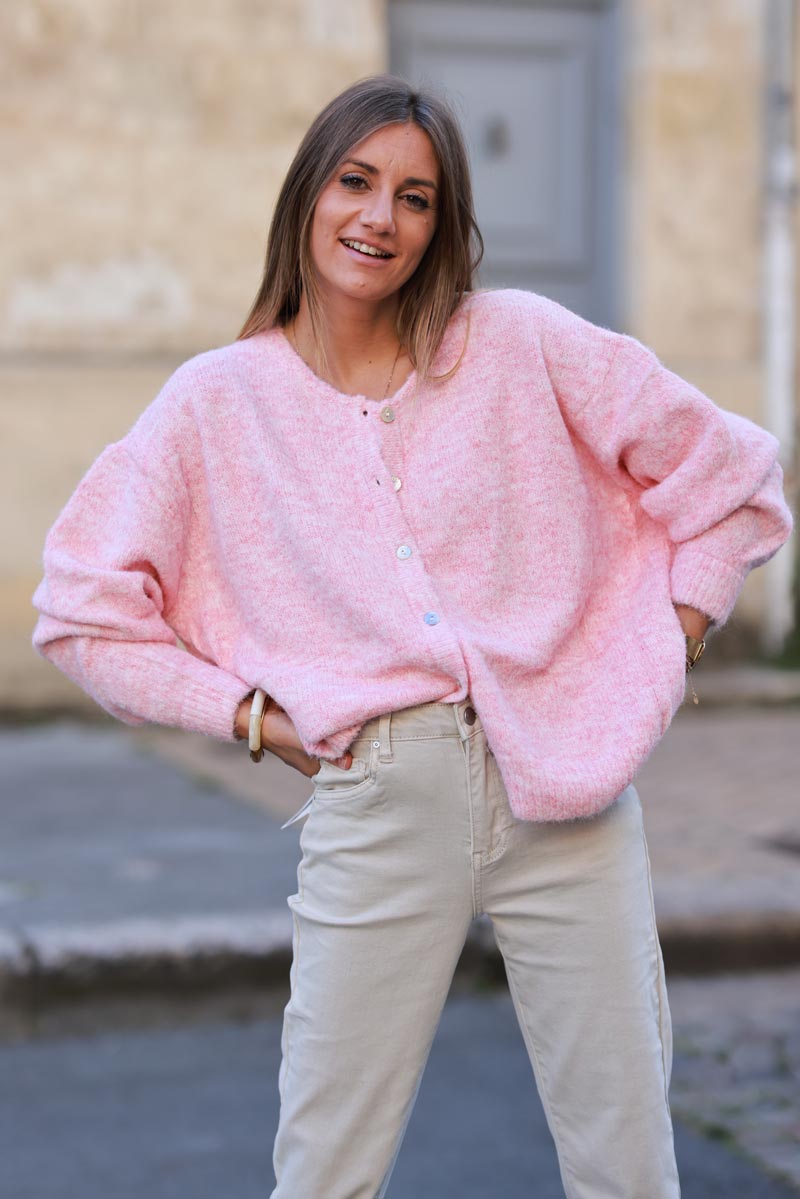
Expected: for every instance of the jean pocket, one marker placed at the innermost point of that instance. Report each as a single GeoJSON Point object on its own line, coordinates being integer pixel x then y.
{"type": "Point", "coordinates": [334, 783]}
{"type": "Point", "coordinates": [337, 781]}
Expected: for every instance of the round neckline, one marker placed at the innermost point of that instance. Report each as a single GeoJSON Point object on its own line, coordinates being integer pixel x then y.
{"type": "Point", "coordinates": [324, 386]}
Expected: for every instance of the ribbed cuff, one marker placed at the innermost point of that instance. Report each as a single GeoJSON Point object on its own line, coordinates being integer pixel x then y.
{"type": "Point", "coordinates": [705, 583]}
{"type": "Point", "coordinates": [212, 709]}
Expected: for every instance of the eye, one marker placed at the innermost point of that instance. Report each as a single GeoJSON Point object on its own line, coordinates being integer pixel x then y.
{"type": "Point", "coordinates": [352, 181]}
{"type": "Point", "coordinates": [417, 201]}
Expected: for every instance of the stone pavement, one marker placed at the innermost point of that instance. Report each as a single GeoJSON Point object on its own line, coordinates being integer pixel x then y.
{"type": "Point", "coordinates": [736, 1070]}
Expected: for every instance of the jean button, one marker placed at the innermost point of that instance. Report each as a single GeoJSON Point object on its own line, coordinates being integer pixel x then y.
{"type": "Point", "coordinates": [469, 715]}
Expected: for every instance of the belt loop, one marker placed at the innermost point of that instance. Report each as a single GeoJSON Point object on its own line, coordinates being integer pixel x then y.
{"type": "Point", "coordinates": [385, 738]}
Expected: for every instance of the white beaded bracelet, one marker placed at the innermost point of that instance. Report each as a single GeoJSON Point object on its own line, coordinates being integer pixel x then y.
{"type": "Point", "coordinates": [256, 716]}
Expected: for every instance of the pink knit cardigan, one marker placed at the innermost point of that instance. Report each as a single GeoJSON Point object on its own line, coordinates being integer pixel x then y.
{"type": "Point", "coordinates": [520, 537]}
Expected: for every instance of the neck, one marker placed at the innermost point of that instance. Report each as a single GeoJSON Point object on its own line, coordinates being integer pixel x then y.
{"type": "Point", "coordinates": [354, 336]}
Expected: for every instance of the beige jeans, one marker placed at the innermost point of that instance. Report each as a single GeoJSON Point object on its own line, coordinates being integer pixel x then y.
{"type": "Point", "coordinates": [399, 854]}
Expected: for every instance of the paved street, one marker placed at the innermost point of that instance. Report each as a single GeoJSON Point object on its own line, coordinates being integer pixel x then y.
{"type": "Point", "coordinates": [188, 1107]}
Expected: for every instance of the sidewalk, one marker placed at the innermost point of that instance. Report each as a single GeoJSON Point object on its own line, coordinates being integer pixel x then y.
{"type": "Point", "coordinates": [150, 859]}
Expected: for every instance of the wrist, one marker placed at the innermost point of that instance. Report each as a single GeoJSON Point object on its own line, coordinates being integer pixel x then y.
{"type": "Point", "coordinates": [694, 623]}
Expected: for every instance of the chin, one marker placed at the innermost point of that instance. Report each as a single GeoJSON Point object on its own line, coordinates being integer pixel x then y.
{"type": "Point", "coordinates": [357, 291]}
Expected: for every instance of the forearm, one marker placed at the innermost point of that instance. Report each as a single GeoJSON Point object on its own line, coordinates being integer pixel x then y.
{"type": "Point", "coordinates": [148, 682]}
{"type": "Point", "coordinates": [709, 477]}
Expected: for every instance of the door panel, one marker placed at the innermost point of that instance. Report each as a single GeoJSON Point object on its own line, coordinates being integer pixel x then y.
{"type": "Point", "coordinates": [532, 87]}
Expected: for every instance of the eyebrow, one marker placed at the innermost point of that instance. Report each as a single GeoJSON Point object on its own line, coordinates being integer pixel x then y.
{"type": "Point", "coordinates": [372, 170]}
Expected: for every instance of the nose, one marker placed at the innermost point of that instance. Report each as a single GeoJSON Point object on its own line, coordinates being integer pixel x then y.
{"type": "Point", "coordinates": [378, 211]}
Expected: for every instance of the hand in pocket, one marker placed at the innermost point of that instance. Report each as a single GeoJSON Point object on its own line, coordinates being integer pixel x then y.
{"type": "Point", "coordinates": [280, 737]}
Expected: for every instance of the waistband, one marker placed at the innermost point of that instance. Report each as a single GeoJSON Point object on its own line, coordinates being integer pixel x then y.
{"type": "Point", "coordinates": [422, 721]}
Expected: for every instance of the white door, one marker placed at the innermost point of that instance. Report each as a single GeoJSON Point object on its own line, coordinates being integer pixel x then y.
{"type": "Point", "coordinates": [534, 86]}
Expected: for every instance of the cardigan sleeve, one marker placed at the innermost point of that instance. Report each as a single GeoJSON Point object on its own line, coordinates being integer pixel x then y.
{"type": "Point", "coordinates": [112, 565]}
{"type": "Point", "coordinates": [710, 477]}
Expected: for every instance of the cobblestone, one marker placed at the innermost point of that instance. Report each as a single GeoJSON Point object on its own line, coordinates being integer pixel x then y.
{"type": "Point", "coordinates": [736, 1071]}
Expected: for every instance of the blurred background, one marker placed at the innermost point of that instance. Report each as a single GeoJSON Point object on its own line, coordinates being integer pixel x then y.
{"type": "Point", "coordinates": [633, 159]}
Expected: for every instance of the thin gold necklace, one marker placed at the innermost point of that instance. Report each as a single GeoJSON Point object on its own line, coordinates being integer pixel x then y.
{"type": "Point", "coordinates": [290, 330]}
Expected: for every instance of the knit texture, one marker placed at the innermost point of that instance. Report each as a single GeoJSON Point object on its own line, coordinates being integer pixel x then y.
{"type": "Point", "coordinates": [558, 493]}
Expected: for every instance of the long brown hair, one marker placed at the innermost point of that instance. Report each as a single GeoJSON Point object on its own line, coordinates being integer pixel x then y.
{"type": "Point", "coordinates": [446, 271]}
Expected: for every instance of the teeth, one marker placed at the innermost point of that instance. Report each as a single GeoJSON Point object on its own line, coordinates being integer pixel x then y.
{"type": "Point", "coordinates": [365, 249]}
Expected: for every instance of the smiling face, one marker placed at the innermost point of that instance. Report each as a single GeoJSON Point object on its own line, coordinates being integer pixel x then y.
{"type": "Point", "coordinates": [376, 215]}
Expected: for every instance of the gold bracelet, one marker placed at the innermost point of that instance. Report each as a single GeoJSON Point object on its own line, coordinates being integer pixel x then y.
{"type": "Point", "coordinates": [695, 647]}
{"type": "Point", "coordinates": [256, 717]}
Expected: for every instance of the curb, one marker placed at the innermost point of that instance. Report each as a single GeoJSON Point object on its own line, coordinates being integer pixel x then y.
{"type": "Point", "coordinates": [41, 967]}
{"type": "Point", "coordinates": [738, 942]}
{"type": "Point", "coordinates": [45, 964]}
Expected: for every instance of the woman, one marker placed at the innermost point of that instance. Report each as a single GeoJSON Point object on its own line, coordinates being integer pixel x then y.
{"type": "Point", "coordinates": [457, 538]}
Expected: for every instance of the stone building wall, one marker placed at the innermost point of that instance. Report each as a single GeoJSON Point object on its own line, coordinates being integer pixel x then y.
{"type": "Point", "coordinates": [694, 200]}
{"type": "Point", "coordinates": [148, 141]}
